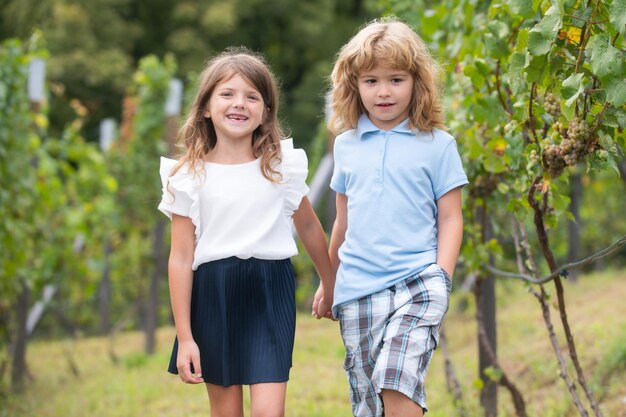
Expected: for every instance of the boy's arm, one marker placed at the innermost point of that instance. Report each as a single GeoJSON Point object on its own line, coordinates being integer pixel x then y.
{"type": "Point", "coordinates": [338, 234]}
{"type": "Point", "coordinates": [313, 238]}
{"type": "Point", "coordinates": [449, 229]}
{"type": "Point", "coordinates": [180, 282]}
{"type": "Point", "coordinates": [336, 240]}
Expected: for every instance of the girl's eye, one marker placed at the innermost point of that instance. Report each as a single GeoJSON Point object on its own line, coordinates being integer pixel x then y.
{"type": "Point", "coordinates": [370, 81]}
{"type": "Point", "coordinates": [255, 98]}
{"type": "Point", "coordinates": [225, 94]}
{"type": "Point", "coordinates": [397, 80]}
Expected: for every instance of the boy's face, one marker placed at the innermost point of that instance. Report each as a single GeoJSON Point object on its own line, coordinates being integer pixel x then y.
{"type": "Point", "coordinates": [386, 94]}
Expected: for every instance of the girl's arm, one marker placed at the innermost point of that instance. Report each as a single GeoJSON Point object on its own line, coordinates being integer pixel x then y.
{"type": "Point", "coordinates": [180, 281]}
{"type": "Point", "coordinates": [449, 229]}
{"type": "Point", "coordinates": [312, 235]}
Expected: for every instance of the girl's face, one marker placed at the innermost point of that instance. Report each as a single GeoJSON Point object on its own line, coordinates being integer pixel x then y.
{"type": "Point", "coordinates": [386, 95]}
{"type": "Point", "coordinates": [236, 109]}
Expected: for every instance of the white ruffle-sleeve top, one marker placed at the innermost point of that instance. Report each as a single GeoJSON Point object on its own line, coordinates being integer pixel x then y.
{"type": "Point", "coordinates": [235, 209]}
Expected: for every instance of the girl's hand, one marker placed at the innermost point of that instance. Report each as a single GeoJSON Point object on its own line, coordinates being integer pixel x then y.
{"type": "Point", "coordinates": [189, 355]}
{"type": "Point", "coordinates": [322, 307]}
{"type": "Point", "coordinates": [316, 299]}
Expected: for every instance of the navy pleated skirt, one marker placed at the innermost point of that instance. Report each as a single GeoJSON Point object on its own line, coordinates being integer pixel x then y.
{"type": "Point", "coordinates": [243, 318]}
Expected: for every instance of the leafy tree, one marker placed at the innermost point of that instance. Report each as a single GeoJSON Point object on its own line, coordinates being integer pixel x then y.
{"type": "Point", "coordinates": [136, 166]}
{"type": "Point", "coordinates": [17, 196]}
{"type": "Point", "coordinates": [534, 89]}
{"type": "Point", "coordinates": [49, 188]}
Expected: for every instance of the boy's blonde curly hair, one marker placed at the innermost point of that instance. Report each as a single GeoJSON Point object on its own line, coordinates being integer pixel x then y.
{"type": "Point", "coordinates": [391, 43]}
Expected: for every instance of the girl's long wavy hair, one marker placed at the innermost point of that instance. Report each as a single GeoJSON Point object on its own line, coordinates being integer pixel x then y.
{"type": "Point", "coordinates": [391, 43]}
{"type": "Point", "coordinates": [197, 134]}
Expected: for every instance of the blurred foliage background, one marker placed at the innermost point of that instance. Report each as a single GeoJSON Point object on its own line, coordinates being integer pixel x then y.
{"type": "Point", "coordinates": [95, 46]}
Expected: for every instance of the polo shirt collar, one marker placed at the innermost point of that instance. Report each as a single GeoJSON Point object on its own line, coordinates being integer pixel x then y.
{"type": "Point", "coordinates": [365, 126]}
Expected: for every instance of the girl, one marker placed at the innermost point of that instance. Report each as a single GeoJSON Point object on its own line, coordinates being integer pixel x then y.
{"type": "Point", "coordinates": [232, 198]}
{"type": "Point", "coordinates": [398, 229]}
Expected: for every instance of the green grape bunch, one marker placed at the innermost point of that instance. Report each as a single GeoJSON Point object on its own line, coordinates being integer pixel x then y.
{"type": "Point", "coordinates": [570, 151]}
{"type": "Point", "coordinates": [560, 128]}
{"type": "Point", "coordinates": [553, 160]}
{"type": "Point", "coordinates": [578, 130]}
{"type": "Point", "coordinates": [567, 144]}
{"type": "Point", "coordinates": [552, 105]}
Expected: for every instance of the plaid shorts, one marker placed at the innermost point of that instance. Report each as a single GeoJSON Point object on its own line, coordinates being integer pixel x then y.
{"type": "Point", "coordinates": [390, 336]}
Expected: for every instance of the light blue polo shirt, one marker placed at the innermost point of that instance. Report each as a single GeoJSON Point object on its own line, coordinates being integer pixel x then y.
{"type": "Point", "coordinates": [392, 180]}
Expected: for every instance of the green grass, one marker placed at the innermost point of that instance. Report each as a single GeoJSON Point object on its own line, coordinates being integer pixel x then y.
{"type": "Point", "coordinates": [137, 385]}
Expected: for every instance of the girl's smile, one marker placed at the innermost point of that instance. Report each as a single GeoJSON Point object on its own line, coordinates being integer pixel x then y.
{"type": "Point", "coordinates": [236, 117]}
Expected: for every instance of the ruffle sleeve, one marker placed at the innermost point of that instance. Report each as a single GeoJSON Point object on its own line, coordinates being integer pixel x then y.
{"type": "Point", "coordinates": [294, 171]}
{"type": "Point", "coordinates": [180, 192]}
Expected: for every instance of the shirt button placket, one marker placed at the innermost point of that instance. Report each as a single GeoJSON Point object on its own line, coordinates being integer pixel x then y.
{"type": "Point", "coordinates": [379, 166]}
{"type": "Point", "coordinates": [380, 170]}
